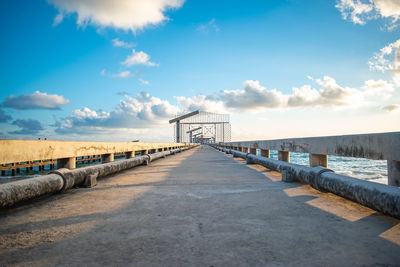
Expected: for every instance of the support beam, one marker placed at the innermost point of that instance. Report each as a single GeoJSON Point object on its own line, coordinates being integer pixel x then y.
{"type": "Point", "coordinates": [318, 160]}
{"type": "Point", "coordinates": [284, 156]}
{"type": "Point", "coordinates": [105, 158]}
{"type": "Point", "coordinates": [130, 154]}
{"type": "Point", "coordinates": [393, 167]}
{"type": "Point", "coordinates": [265, 153]}
{"type": "Point", "coordinates": [69, 163]}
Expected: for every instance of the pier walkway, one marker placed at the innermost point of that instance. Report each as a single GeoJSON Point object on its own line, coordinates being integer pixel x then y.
{"type": "Point", "coordinates": [197, 208]}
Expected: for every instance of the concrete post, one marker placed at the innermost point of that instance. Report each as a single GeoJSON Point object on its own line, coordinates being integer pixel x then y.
{"type": "Point", "coordinates": [145, 152]}
{"type": "Point", "coordinates": [253, 151]}
{"type": "Point", "coordinates": [130, 154]}
{"type": "Point", "coordinates": [246, 150]}
{"type": "Point", "coordinates": [393, 167]}
{"type": "Point", "coordinates": [265, 153]}
{"type": "Point", "coordinates": [105, 158]}
{"type": "Point", "coordinates": [69, 163]}
{"type": "Point", "coordinates": [318, 160]}
{"type": "Point", "coordinates": [284, 156]}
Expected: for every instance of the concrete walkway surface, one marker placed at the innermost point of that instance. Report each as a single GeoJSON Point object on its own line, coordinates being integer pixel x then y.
{"type": "Point", "coordinates": [197, 208]}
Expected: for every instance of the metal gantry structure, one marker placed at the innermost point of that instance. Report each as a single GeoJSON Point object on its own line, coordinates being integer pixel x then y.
{"type": "Point", "coordinates": [202, 127]}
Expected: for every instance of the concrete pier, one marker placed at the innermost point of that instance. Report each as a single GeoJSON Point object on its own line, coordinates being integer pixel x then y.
{"type": "Point", "coordinates": [197, 208]}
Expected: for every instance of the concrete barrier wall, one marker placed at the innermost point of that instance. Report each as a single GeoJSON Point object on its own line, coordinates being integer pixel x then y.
{"type": "Point", "coordinates": [383, 146]}
{"type": "Point", "coordinates": [64, 179]}
{"type": "Point", "coordinates": [12, 151]}
{"type": "Point", "coordinates": [383, 198]}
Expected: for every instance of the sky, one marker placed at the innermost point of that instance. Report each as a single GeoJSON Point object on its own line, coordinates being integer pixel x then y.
{"type": "Point", "coordinates": [119, 70]}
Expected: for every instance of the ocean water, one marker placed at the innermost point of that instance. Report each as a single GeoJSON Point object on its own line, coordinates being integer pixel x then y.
{"type": "Point", "coordinates": [365, 169]}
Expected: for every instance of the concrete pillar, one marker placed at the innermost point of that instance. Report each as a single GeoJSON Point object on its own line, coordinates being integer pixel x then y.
{"type": "Point", "coordinates": [105, 158]}
{"type": "Point", "coordinates": [284, 156]}
{"type": "Point", "coordinates": [145, 152]}
{"type": "Point", "coordinates": [253, 151]}
{"type": "Point", "coordinates": [318, 160]}
{"type": "Point", "coordinates": [69, 163]}
{"type": "Point", "coordinates": [265, 153]}
{"type": "Point", "coordinates": [130, 154]}
{"type": "Point", "coordinates": [393, 167]}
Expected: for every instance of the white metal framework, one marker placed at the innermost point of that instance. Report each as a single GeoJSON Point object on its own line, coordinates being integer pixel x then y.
{"type": "Point", "coordinates": [202, 127]}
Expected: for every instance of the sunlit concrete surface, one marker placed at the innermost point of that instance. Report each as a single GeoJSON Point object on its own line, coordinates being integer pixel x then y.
{"type": "Point", "coordinates": [197, 208]}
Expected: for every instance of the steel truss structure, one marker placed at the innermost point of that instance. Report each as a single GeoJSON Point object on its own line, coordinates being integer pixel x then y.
{"type": "Point", "coordinates": [202, 127]}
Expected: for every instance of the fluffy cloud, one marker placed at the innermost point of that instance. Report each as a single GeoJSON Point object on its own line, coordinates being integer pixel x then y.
{"type": "Point", "coordinates": [119, 14]}
{"type": "Point", "coordinates": [252, 96]}
{"type": "Point", "coordinates": [201, 102]}
{"type": "Point", "coordinates": [359, 11]}
{"type": "Point", "coordinates": [142, 111]}
{"type": "Point", "coordinates": [118, 43]}
{"type": "Point", "coordinates": [36, 100]}
{"type": "Point", "coordinates": [387, 59]}
{"type": "Point", "coordinates": [394, 107]}
{"type": "Point", "coordinates": [28, 126]}
{"type": "Point", "coordinates": [138, 58]}
{"type": "Point", "coordinates": [384, 59]}
{"type": "Point", "coordinates": [145, 111]}
{"type": "Point", "coordinates": [4, 117]}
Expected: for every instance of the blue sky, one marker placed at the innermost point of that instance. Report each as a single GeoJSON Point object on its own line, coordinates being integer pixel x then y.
{"type": "Point", "coordinates": [100, 71]}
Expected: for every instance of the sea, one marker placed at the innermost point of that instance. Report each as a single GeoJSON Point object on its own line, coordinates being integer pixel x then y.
{"type": "Point", "coordinates": [364, 169]}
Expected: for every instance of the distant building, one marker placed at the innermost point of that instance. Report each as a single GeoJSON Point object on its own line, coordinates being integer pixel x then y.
{"type": "Point", "coordinates": [202, 127]}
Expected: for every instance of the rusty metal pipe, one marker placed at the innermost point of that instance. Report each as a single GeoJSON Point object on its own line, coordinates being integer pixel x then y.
{"type": "Point", "coordinates": [380, 197]}
{"type": "Point", "coordinates": [63, 179]}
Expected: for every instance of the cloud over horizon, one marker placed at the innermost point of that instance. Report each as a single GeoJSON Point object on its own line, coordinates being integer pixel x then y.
{"type": "Point", "coordinates": [36, 100]}
{"type": "Point", "coordinates": [28, 126]}
{"type": "Point", "coordinates": [146, 111]}
{"type": "Point", "coordinates": [142, 111]}
{"type": "Point", "coordinates": [127, 15]}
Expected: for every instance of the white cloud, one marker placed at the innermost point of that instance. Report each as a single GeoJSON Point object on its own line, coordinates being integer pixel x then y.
{"type": "Point", "coordinates": [253, 96]}
{"type": "Point", "coordinates": [378, 88]}
{"type": "Point", "coordinates": [383, 60]}
{"type": "Point", "coordinates": [119, 14]}
{"type": "Point", "coordinates": [123, 74]}
{"type": "Point", "coordinates": [118, 43]}
{"type": "Point", "coordinates": [36, 100]}
{"type": "Point", "coordinates": [390, 108]}
{"type": "Point", "coordinates": [330, 94]}
{"type": "Point", "coordinates": [359, 11]}
{"type": "Point", "coordinates": [387, 59]}
{"type": "Point", "coordinates": [138, 58]}
{"type": "Point", "coordinates": [208, 27]}
{"type": "Point", "coordinates": [200, 102]}
{"type": "Point", "coordinates": [144, 81]}
{"type": "Point", "coordinates": [303, 96]}
{"type": "Point", "coordinates": [142, 111]}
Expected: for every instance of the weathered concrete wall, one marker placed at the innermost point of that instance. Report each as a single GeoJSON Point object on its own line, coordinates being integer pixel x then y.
{"type": "Point", "coordinates": [63, 179]}
{"type": "Point", "coordinates": [28, 150]}
{"type": "Point", "coordinates": [383, 198]}
{"type": "Point", "coordinates": [371, 146]}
